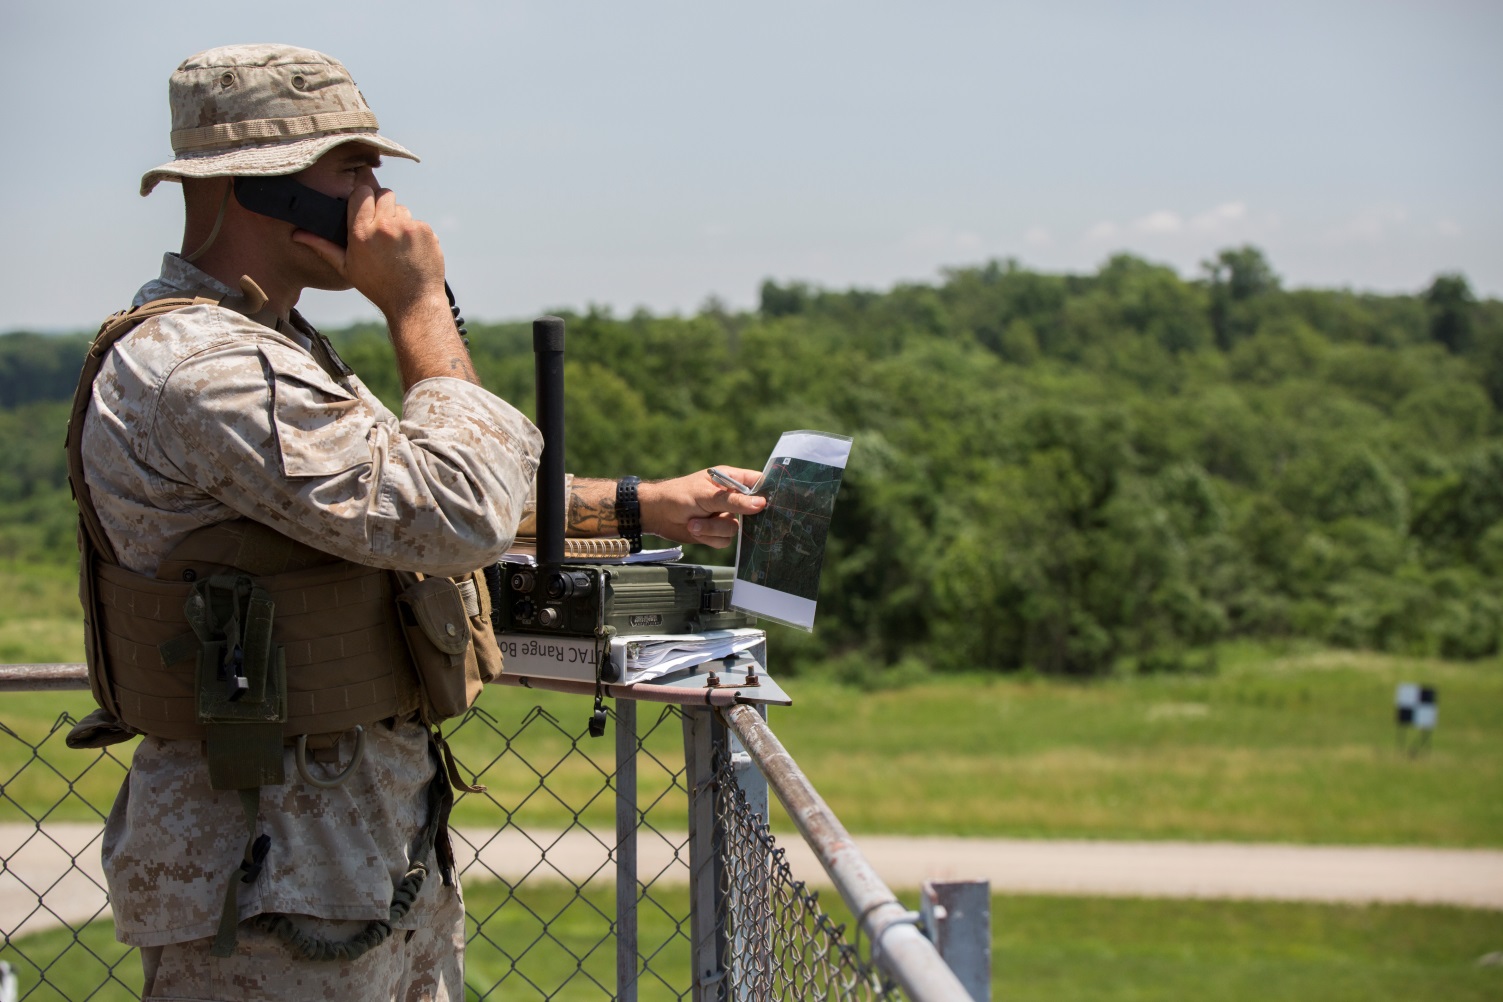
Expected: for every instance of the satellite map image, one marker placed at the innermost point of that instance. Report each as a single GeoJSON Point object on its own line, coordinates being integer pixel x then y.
{"type": "Point", "coordinates": [783, 548]}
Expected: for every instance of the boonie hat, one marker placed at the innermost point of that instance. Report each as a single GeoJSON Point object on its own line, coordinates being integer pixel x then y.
{"type": "Point", "coordinates": [262, 110]}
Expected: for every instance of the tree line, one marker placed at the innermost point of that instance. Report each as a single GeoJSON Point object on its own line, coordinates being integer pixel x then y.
{"type": "Point", "coordinates": [1067, 473]}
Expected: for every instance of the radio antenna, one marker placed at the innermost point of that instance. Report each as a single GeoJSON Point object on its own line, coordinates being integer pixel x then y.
{"type": "Point", "coordinates": [548, 351]}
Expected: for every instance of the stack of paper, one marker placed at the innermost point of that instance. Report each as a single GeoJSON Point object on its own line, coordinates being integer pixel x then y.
{"type": "Point", "coordinates": [652, 655]}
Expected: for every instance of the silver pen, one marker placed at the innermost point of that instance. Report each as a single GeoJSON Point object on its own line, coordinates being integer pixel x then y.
{"type": "Point", "coordinates": [727, 481]}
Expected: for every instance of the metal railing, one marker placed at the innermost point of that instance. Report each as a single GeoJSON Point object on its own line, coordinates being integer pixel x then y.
{"type": "Point", "coordinates": [582, 879]}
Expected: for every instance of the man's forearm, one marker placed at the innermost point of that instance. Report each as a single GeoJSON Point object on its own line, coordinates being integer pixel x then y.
{"type": "Point", "coordinates": [688, 509]}
{"type": "Point", "coordinates": [592, 508]}
{"type": "Point", "coordinates": [427, 344]}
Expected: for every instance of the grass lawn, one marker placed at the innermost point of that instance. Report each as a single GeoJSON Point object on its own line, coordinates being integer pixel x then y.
{"type": "Point", "coordinates": [1298, 747]}
{"type": "Point", "coordinates": [1044, 949]}
{"type": "Point", "coordinates": [1075, 949]}
{"type": "Point", "coordinates": [40, 618]}
{"type": "Point", "coordinates": [1289, 747]}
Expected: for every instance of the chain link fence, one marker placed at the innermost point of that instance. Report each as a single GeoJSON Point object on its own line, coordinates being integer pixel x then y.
{"type": "Point", "coordinates": [776, 941]}
{"type": "Point", "coordinates": [635, 868]}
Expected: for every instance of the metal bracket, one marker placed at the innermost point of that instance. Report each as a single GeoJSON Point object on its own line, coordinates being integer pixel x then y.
{"type": "Point", "coordinates": [914, 919]}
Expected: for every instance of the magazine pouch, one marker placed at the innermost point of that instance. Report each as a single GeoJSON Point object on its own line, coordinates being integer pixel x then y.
{"type": "Point", "coordinates": [447, 624]}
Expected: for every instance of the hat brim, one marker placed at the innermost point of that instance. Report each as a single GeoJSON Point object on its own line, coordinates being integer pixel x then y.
{"type": "Point", "coordinates": [267, 160]}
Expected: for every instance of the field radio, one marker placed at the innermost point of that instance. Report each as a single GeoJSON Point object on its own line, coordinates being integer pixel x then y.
{"type": "Point", "coordinates": [551, 603]}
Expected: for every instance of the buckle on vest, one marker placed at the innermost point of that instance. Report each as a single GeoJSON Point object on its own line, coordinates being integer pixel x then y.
{"type": "Point", "coordinates": [232, 669]}
{"type": "Point", "coordinates": [251, 868]}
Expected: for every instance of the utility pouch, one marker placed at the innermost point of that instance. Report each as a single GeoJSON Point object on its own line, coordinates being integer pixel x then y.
{"type": "Point", "coordinates": [241, 682]}
{"type": "Point", "coordinates": [447, 623]}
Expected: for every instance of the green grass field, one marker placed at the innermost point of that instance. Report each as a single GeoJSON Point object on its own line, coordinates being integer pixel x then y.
{"type": "Point", "coordinates": [1044, 949]}
{"type": "Point", "coordinates": [1292, 747]}
{"type": "Point", "coordinates": [1298, 747]}
{"type": "Point", "coordinates": [40, 619]}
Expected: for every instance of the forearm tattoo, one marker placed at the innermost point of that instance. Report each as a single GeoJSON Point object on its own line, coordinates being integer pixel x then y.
{"type": "Point", "coordinates": [462, 368]}
{"type": "Point", "coordinates": [592, 508]}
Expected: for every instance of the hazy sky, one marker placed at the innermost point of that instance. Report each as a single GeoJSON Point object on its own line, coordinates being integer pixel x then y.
{"type": "Point", "coordinates": [655, 153]}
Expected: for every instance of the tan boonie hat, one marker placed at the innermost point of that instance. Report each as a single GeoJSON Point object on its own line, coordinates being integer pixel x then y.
{"type": "Point", "coordinates": [262, 110]}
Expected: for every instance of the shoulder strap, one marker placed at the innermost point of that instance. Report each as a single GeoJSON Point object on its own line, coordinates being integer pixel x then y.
{"type": "Point", "coordinates": [111, 331]}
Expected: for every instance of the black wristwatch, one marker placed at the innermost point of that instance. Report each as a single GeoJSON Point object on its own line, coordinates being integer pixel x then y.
{"type": "Point", "coordinates": [629, 511]}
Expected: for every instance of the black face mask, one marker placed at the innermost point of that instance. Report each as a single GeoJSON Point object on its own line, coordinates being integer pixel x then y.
{"type": "Point", "coordinates": [291, 201]}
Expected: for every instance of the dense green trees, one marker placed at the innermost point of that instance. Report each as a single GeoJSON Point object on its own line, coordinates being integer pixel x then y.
{"type": "Point", "coordinates": [37, 519]}
{"type": "Point", "coordinates": [36, 367]}
{"type": "Point", "coordinates": [1068, 473]}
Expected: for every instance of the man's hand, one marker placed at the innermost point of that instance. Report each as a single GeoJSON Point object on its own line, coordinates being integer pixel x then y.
{"type": "Point", "coordinates": [395, 261]}
{"type": "Point", "coordinates": [695, 509]}
{"type": "Point", "coordinates": [392, 259]}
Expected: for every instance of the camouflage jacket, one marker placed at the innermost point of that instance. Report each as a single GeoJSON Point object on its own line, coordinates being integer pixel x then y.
{"type": "Point", "coordinates": [204, 415]}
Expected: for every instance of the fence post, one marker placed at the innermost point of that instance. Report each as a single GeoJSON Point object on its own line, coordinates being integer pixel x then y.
{"type": "Point", "coordinates": [704, 735]}
{"type": "Point", "coordinates": [626, 850]}
{"type": "Point", "coordinates": [958, 917]}
{"type": "Point", "coordinates": [748, 901]}
{"type": "Point", "coordinates": [753, 784]}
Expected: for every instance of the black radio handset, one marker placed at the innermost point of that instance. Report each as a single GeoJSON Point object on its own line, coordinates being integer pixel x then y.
{"type": "Point", "coordinates": [291, 201]}
{"type": "Point", "coordinates": [288, 199]}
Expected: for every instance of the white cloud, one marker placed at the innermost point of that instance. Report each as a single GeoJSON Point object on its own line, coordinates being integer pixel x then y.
{"type": "Point", "coordinates": [1101, 232]}
{"type": "Point", "coordinates": [1169, 224]}
{"type": "Point", "coordinates": [1038, 236]}
{"type": "Point", "coordinates": [1219, 217]}
{"type": "Point", "coordinates": [1163, 221]}
{"type": "Point", "coordinates": [1448, 228]}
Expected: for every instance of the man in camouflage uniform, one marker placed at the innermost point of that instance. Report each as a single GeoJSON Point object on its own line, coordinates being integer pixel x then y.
{"type": "Point", "coordinates": [242, 410]}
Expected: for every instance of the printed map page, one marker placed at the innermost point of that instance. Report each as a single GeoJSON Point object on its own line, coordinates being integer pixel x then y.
{"type": "Point", "coordinates": [782, 548]}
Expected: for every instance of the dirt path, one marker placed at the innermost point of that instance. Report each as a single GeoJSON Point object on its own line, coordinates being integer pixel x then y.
{"type": "Point", "coordinates": [41, 885]}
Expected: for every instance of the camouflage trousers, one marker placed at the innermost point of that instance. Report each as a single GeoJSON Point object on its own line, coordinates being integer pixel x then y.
{"type": "Point", "coordinates": [424, 964]}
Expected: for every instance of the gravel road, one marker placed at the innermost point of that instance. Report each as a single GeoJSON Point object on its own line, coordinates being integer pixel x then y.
{"type": "Point", "coordinates": [41, 886]}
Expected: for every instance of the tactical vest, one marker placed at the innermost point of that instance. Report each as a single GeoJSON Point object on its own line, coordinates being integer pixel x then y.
{"type": "Point", "coordinates": [351, 636]}
{"type": "Point", "coordinates": [247, 640]}
{"type": "Point", "coordinates": [345, 659]}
